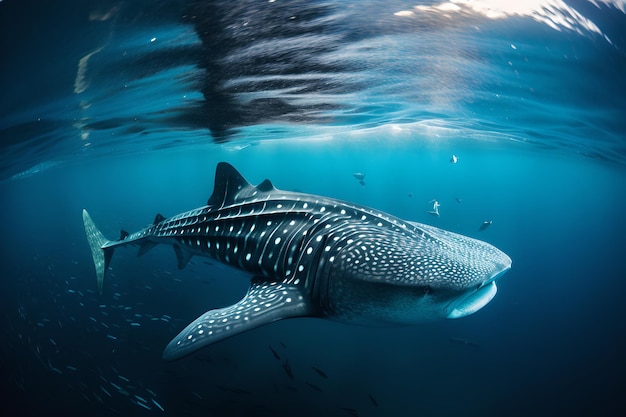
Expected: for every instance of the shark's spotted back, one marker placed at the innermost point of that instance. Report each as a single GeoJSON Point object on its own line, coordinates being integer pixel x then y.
{"type": "Point", "coordinates": [315, 256]}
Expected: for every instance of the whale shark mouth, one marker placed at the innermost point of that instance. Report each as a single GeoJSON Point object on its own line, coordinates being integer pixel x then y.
{"type": "Point", "coordinates": [474, 301]}
{"type": "Point", "coordinates": [471, 302]}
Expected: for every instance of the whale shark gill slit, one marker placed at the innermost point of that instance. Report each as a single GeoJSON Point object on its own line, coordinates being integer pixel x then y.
{"type": "Point", "coordinates": [314, 256]}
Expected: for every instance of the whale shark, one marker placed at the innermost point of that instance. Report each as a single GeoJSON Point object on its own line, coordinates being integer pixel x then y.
{"type": "Point", "coordinates": [314, 256]}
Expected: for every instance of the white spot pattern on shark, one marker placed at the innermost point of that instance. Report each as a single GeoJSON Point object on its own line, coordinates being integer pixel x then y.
{"type": "Point", "coordinates": [315, 256]}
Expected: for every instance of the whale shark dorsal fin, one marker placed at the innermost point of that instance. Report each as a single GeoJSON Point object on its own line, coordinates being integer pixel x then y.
{"type": "Point", "coordinates": [266, 186]}
{"type": "Point", "coordinates": [263, 304]}
{"type": "Point", "coordinates": [228, 183]}
{"type": "Point", "coordinates": [231, 187]}
{"type": "Point", "coordinates": [158, 219]}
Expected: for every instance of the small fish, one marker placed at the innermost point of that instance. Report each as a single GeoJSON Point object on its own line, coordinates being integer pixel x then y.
{"type": "Point", "coordinates": [105, 391]}
{"type": "Point", "coordinates": [454, 159]}
{"type": "Point", "coordinates": [362, 183]}
{"type": "Point", "coordinates": [283, 345]}
{"type": "Point", "coordinates": [320, 372]}
{"type": "Point", "coordinates": [410, 195]}
{"type": "Point", "coordinates": [460, 341]}
{"type": "Point", "coordinates": [276, 355]}
{"type": "Point", "coordinates": [359, 176]}
{"type": "Point", "coordinates": [373, 400]}
{"type": "Point", "coordinates": [350, 411]}
{"type": "Point", "coordinates": [139, 403]}
{"type": "Point", "coordinates": [157, 404]}
{"type": "Point", "coordinates": [485, 225]}
{"type": "Point", "coordinates": [315, 387]}
{"type": "Point", "coordinates": [97, 397]}
{"type": "Point", "coordinates": [435, 210]}
{"type": "Point", "coordinates": [53, 369]}
{"type": "Point", "coordinates": [287, 369]}
{"type": "Point", "coordinates": [458, 200]}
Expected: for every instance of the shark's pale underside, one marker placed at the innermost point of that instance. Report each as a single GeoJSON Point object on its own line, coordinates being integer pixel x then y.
{"type": "Point", "coordinates": [316, 257]}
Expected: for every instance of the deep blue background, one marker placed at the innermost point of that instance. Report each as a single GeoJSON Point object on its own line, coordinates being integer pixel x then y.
{"type": "Point", "coordinates": [550, 340]}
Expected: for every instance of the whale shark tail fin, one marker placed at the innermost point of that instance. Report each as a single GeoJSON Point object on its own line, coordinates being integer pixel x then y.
{"type": "Point", "coordinates": [97, 241]}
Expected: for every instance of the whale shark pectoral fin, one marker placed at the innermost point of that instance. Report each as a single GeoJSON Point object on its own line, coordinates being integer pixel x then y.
{"type": "Point", "coordinates": [264, 304]}
{"type": "Point", "coordinates": [182, 256]}
{"type": "Point", "coordinates": [145, 247]}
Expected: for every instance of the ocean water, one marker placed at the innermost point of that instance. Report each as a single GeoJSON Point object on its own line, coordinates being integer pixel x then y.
{"type": "Point", "coordinates": [125, 108]}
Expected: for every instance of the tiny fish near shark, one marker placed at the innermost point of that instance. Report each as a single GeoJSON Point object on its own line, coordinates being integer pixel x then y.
{"type": "Point", "coordinates": [313, 256]}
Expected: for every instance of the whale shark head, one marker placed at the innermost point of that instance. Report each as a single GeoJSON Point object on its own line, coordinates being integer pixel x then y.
{"type": "Point", "coordinates": [412, 275]}
{"type": "Point", "coordinates": [475, 283]}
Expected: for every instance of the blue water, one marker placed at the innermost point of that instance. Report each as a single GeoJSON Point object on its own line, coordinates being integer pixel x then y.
{"type": "Point", "coordinates": [125, 108]}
